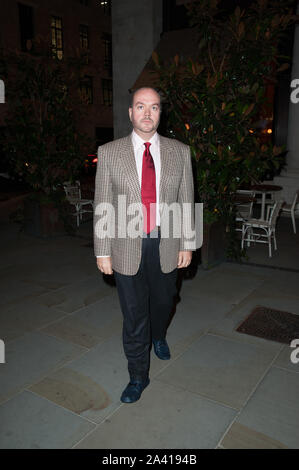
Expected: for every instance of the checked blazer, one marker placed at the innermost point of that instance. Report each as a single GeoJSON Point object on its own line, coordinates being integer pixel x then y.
{"type": "Point", "coordinates": [117, 175]}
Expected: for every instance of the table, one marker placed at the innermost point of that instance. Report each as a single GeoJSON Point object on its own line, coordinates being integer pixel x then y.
{"type": "Point", "coordinates": [265, 189]}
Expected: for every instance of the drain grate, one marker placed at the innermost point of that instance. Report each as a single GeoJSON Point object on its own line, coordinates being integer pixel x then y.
{"type": "Point", "coordinates": [271, 324]}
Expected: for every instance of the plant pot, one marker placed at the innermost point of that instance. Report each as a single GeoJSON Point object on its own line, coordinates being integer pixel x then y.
{"type": "Point", "coordinates": [42, 220]}
{"type": "Point", "coordinates": [213, 250]}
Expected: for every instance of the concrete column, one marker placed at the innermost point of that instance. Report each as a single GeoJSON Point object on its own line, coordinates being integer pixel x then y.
{"type": "Point", "coordinates": [289, 178]}
{"type": "Point", "coordinates": [136, 29]}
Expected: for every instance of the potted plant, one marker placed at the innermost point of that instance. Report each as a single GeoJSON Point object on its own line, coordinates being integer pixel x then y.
{"type": "Point", "coordinates": [213, 100]}
{"type": "Point", "coordinates": [42, 144]}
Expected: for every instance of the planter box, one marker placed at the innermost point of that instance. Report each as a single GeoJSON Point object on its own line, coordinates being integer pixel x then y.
{"type": "Point", "coordinates": [42, 220]}
{"type": "Point", "coordinates": [213, 250]}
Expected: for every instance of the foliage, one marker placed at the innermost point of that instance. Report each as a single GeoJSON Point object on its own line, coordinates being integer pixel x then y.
{"type": "Point", "coordinates": [42, 144]}
{"type": "Point", "coordinates": [213, 100]}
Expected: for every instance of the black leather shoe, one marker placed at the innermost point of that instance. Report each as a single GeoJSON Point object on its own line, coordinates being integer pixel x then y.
{"type": "Point", "coordinates": [133, 391]}
{"type": "Point", "coordinates": [161, 349]}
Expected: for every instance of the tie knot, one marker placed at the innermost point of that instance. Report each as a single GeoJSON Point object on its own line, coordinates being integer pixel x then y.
{"type": "Point", "coordinates": [147, 145]}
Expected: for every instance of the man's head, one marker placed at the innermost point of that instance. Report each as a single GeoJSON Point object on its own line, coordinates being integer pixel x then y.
{"type": "Point", "coordinates": [145, 112]}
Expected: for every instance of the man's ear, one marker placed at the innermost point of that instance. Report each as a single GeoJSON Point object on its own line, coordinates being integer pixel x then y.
{"type": "Point", "coordinates": [130, 113]}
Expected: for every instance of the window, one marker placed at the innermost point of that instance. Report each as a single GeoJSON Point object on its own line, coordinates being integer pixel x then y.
{"type": "Point", "coordinates": [26, 25]}
{"type": "Point", "coordinates": [86, 90]}
{"type": "Point", "coordinates": [107, 92]}
{"type": "Point", "coordinates": [106, 6]}
{"type": "Point", "coordinates": [57, 37]}
{"type": "Point", "coordinates": [107, 52]}
{"type": "Point", "coordinates": [84, 36]}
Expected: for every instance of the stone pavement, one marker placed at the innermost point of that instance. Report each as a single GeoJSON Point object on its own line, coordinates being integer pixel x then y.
{"type": "Point", "coordinates": [65, 368]}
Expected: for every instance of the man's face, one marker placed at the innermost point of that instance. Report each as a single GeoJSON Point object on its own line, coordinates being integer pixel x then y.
{"type": "Point", "coordinates": [145, 112]}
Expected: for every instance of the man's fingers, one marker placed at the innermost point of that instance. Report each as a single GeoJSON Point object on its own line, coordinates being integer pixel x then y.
{"type": "Point", "coordinates": [105, 265]}
{"type": "Point", "coordinates": [180, 260]}
{"type": "Point", "coordinates": [184, 259]}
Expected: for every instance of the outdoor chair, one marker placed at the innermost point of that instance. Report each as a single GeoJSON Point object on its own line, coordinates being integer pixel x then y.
{"type": "Point", "coordinates": [290, 209]}
{"type": "Point", "coordinates": [243, 208]}
{"type": "Point", "coordinates": [73, 195]}
{"type": "Point", "coordinates": [262, 231]}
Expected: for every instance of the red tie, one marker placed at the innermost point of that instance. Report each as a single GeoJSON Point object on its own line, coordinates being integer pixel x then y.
{"type": "Point", "coordinates": [148, 190]}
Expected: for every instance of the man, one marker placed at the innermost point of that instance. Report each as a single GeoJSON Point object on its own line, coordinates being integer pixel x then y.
{"type": "Point", "coordinates": [144, 170]}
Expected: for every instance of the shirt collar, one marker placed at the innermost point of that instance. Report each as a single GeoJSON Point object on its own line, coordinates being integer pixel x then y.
{"type": "Point", "coordinates": [139, 142]}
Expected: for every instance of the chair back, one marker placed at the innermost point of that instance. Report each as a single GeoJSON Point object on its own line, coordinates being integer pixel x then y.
{"type": "Point", "coordinates": [246, 192]}
{"type": "Point", "coordinates": [275, 212]}
{"type": "Point", "coordinates": [72, 191]}
{"type": "Point", "coordinates": [295, 200]}
{"type": "Point", "coordinates": [244, 209]}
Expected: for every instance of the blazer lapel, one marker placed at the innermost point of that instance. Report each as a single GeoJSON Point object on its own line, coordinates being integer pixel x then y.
{"type": "Point", "coordinates": [165, 154]}
{"type": "Point", "coordinates": [127, 160]}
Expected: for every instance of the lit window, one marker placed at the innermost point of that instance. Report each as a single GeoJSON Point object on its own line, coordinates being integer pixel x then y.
{"type": "Point", "coordinates": [57, 37]}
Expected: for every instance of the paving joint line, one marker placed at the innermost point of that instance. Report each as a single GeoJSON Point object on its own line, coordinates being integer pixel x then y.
{"type": "Point", "coordinates": [251, 394]}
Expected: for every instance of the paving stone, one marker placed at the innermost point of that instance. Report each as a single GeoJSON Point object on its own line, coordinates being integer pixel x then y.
{"type": "Point", "coordinates": [24, 317]}
{"type": "Point", "coordinates": [232, 287]}
{"type": "Point", "coordinates": [242, 437]}
{"type": "Point", "coordinates": [31, 422]}
{"type": "Point", "coordinates": [270, 418]}
{"type": "Point", "coordinates": [90, 325]}
{"type": "Point", "coordinates": [77, 295]}
{"type": "Point", "coordinates": [73, 391]}
{"type": "Point", "coordinates": [164, 418]}
{"type": "Point", "coordinates": [223, 370]}
{"type": "Point", "coordinates": [31, 357]}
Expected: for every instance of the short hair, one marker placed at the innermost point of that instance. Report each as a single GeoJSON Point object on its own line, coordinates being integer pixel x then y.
{"type": "Point", "coordinates": [133, 92]}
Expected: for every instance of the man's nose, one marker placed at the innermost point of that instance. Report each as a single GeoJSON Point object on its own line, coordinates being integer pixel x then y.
{"type": "Point", "coordinates": [147, 112]}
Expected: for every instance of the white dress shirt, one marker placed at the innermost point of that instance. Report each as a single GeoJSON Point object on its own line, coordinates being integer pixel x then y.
{"type": "Point", "coordinates": [139, 147]}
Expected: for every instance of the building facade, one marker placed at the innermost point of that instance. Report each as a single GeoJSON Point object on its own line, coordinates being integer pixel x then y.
{"type": "Point", "coordinates": [69, 27]}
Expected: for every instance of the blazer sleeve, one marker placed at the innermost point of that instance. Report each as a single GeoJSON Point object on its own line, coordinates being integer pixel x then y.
{"type": "Point", "coordinates": [103, 222]}
{"type": "Point", "coordinates": [186, 200]}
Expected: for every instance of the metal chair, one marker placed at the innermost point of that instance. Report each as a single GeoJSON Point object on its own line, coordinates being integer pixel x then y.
{"type": "Point", "coordinates": [262, 231]}
{"type": "Point", "coordinates": [244, 209]}
{"type": "Point", "coordinates": [73, 195]}
{"type": "Point", "coordinates": [290, 209]}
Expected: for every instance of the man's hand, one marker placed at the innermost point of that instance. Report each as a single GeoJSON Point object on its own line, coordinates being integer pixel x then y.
{"type": "Point", "coordinates": [184, 259]}
{"type": "Point", "coordinates": [105, 265]}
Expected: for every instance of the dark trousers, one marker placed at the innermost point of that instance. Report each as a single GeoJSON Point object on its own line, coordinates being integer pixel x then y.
{"type": "Point", "coordinates": [146, 301]}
